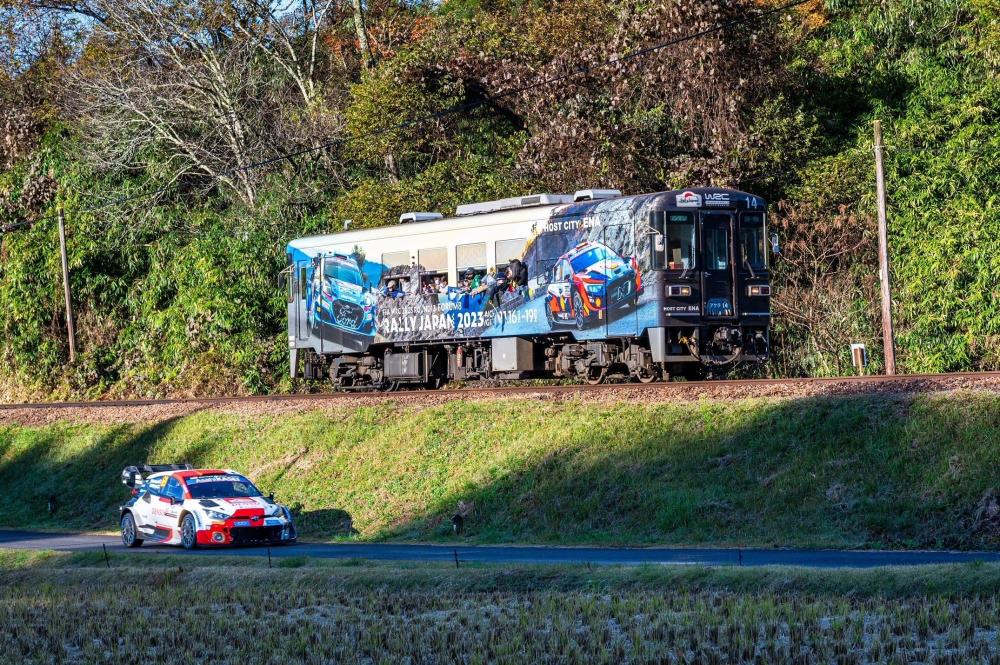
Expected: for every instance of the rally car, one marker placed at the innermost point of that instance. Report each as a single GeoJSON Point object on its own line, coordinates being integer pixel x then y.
{"type": "Point", "coordinates": [339, 296]}
{"type": "Point", "coordinates": [587, 282]}
{"type": "Point", "coordinates": [174, 504]}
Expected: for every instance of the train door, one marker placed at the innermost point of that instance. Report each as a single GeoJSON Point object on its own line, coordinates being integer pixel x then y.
{"type": "Point", "coordinates": [621, 284]}
{"type": "Point", "coordinates": [303, 302]}
{"type": "Point", "coordinates": [718, 275]}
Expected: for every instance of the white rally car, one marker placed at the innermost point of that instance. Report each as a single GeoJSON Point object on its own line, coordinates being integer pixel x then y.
{"type": "Point", "coordinates": [174, 504]}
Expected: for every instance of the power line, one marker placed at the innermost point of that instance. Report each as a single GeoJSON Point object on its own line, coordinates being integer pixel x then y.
{"type": "Point", "coordinates": [457, 108]}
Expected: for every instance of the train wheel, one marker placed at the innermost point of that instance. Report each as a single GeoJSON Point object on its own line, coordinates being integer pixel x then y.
{"type": "Point", "coordinates": [596, 375]}
{"type": "Point", "coordinates": [647, 377]}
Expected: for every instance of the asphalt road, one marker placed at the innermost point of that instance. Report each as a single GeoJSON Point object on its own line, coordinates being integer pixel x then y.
{"type": "Point", "coordinates": [521, 554]}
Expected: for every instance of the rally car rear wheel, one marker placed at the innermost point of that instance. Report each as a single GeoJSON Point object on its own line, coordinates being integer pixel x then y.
{"type": "Point", "coordinates": [189, 533]}
{"type": "Point", "coordinates": [581, 317]}
{"type": "Point", "coordinates": [129, 533]}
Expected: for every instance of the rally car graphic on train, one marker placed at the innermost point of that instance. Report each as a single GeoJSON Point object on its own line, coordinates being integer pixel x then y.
{"type": "Point", "coordinates": [593, 285]}
{"type": "Point", "coordinates": [175, 504]}
{"type": "Point", "coordinates": [340, 296]}
{"type": "Point", "coordinates": [588, 282]}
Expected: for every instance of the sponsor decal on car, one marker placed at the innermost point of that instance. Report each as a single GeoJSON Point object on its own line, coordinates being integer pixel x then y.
{"type": "Point", "coordinates": [194, 480]}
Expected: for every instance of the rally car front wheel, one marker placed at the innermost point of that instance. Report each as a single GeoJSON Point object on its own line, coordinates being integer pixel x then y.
{"type": "Point", "coordinates": [189, 533]}
{"type": "Point", "coordinates": [130, 536]}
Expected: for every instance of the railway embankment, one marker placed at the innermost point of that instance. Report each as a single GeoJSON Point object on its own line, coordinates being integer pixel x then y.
{"type": "Point", "coordinates": [888, 466]}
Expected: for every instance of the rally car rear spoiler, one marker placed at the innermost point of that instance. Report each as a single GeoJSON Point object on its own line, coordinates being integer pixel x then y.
{"type": "Point", "coordinates": [133, 475]}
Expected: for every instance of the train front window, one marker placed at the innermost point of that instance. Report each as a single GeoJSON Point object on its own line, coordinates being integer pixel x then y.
{"type": "Point", "coordinates": [716, 238]}
{"type": "Point", "coordinates": [754, 256]}
{"type": "Point", "coordinates": [679, 241]}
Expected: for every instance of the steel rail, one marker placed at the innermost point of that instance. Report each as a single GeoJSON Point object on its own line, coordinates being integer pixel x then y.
{"type": "Point", "coordinates": [668, 386]}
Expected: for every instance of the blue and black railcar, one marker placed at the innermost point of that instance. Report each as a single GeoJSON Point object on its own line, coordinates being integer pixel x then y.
{"type": "Point", "coordinates": [594, 285]}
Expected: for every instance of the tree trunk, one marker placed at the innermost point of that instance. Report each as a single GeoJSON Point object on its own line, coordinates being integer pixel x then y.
{"type": "Point", "coordinates": [359, 25]}
{"type": "Point", "coordinates": [390, 165]}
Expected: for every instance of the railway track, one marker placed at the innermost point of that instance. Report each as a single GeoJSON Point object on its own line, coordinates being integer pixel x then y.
{"type": "Point", "coordinates": [848, 383]}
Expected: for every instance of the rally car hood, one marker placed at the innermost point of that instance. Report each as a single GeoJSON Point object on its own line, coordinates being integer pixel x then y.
{"type": "Point", "coordinates": [346, 291]}
{"type": "Point", "coordinates": [243, 506]}
{"type": "Point", "coordinates": [606, 269]}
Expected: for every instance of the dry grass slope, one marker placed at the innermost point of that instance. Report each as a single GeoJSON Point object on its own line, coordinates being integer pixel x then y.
{"type": "Point", "coordinates": [67, 609]}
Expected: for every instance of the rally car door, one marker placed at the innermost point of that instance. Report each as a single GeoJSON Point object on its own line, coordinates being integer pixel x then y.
{"type": "Point", "coordinates": [142, 509]}
{"type": "Point", "coordinates": [169, 509]}
{"type": "Point", "coordinates": [619, 317]}
{"type": "Point", "coordinates": [560, 289]}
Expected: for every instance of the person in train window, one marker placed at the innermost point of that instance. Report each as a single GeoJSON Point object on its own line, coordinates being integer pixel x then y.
{"type": "Point", "coordinates": [391, 290]}
{"type": "Point", "coordinates": [443, 285]}
{"type": "Point", "coordinates": [492, 285]}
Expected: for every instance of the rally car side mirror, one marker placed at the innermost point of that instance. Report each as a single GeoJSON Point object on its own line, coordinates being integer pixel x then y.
{"type": "Point", "coordinates": [131, 477]}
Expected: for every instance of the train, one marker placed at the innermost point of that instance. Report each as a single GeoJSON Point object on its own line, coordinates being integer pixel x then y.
{"type": "Point", "coordinates": [593, 286]}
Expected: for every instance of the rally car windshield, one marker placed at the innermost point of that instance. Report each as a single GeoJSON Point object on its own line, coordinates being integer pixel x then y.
{"type": "Point", "coordinates": [221, 487]}
{"type": "Point", "coordinates": [343, 273]}
{"type": "Point", "coordinates": [590, 257]}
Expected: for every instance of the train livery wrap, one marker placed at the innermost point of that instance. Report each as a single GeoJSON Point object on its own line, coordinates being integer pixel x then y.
{"type": "Point", "coordinates": [593, 285]}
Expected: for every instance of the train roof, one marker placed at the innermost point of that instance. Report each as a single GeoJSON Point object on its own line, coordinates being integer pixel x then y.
{"type": "Point", "coordinates": [547, 206]}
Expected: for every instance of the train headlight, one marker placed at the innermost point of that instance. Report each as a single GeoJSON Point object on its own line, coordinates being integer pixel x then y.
{"type": "Point", "coordinates": [758, 290]}
{"type": "Point", "coordinates": [678, 290]}
{"type": "Point", "coordinates": [594, 289]}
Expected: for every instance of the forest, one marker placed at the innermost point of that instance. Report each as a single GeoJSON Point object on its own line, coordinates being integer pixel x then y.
{"type": "Point", "coordinates": [188, 140]}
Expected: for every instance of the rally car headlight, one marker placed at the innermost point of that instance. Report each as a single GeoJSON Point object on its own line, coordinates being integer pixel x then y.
{"type": "Point", "coordinates": [594, 289]}
{"type": "Point", "coordinates": [213, 515]}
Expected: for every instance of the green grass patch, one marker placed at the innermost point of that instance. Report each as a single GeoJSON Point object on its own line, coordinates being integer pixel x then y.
{"type": "Point", "coordinates": [857, 471]}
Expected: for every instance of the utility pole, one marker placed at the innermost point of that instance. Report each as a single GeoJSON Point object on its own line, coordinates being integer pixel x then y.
{"type": "Point", "coordinates": [65, 275]}
{"type": "Point", "coordinates": [888, 338]}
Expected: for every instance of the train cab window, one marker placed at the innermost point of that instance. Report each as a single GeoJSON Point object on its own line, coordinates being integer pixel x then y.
{"type": "Point", "coordinates": [507, 251]}
{"type": "Point", "coordinates": [303, 282]}
{"type": "Point", "coordinates": [673, 243]}
{"type": "Point", "coordinates": [753, 254]}
{"type": "Point", "coordinates": [716, 239]}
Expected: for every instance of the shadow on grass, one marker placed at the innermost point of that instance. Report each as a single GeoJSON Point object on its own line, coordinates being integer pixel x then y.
{"type": "Point", "coordinates": [323, 523]}
{"type": "Point", "coordinates": [52, 482]}
{"type": "Point", "coordinates": [847, 471]}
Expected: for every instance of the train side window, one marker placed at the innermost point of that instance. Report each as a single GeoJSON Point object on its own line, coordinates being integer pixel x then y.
{"type": "Point", "coordinates": [507, 251]}
{"type": "Point", "coordinates": [657, 243]}
{"type": "Point", "coordinates": [303, 282]}
{"type": "Point", "coordinates": [752, 249]}
{"type": "Point", "coordinates": [470, 261]}
{"type": "Point", "coordinates": [396, 260]}
{"type": "Point", "coordinates": [679, 240]}
{"type": "Point", "coordinates": [433, 262]}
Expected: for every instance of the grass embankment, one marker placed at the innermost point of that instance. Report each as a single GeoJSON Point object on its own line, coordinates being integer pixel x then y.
{"type": "Point", "coordinates": [859, 471]}
{"type": "Point", "coordinates": [70, 608]}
